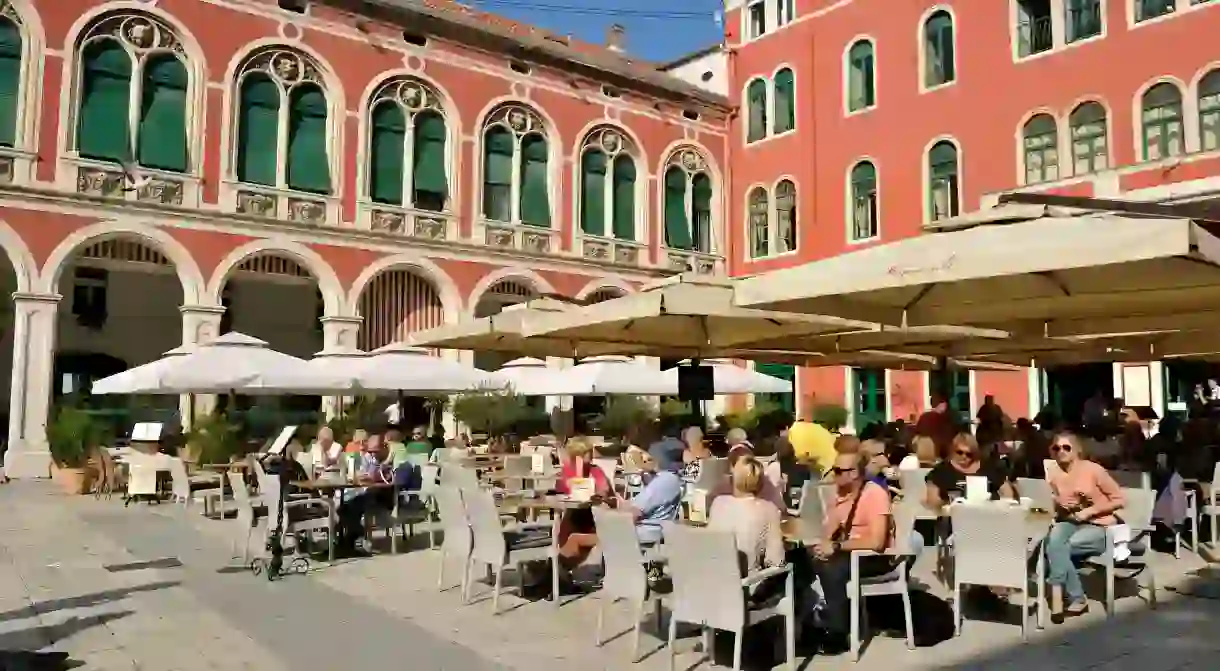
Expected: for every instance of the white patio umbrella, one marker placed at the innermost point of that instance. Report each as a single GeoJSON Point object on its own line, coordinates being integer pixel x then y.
{"type": "Point", "coordinates": [398, 367]}
{"type": "Point", "coordinates": [595, 376]}
{"type": "Point", "coordinates": [231, 362]}
{"type": "Point", "coordinates": [730, 379]}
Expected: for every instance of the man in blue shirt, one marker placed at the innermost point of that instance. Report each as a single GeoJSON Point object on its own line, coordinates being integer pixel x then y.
{"type": "Point", "coordinates": [658, 502]}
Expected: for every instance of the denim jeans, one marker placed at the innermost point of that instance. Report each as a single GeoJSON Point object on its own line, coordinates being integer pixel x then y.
{"type": "Point", "coordinates": [1069, 540]}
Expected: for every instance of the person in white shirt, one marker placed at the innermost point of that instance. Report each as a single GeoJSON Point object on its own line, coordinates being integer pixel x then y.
{"type": "Point", "coordinates": [325, 451]}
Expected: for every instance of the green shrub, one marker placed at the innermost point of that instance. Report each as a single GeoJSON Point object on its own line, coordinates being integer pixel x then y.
{"type": "Point", "coordinates": [72, 435]}
{"type": "Point", "coordinates": [215, 440]}
{"type": "Point", "coordinates": [623, 414]}
{"type": "Point", "coordinates": [493, 412]}
{"type": "Point", "coordinates": [831, 416]}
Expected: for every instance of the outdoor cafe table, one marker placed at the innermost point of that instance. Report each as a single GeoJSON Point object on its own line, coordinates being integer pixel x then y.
{"type": "Point", "coordinates": [327, 487]}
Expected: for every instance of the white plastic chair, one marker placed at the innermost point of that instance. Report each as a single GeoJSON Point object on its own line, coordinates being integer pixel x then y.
{"type": "Point", "coordinates": [1038, 491]}
{"type": "Point", "coordinates": [1136, 514]}
{"type": "Point", "coordinates": [302, 517]}
{"type": "Point", "coordinates": [184, 487]}
{"type": "Point", "coordinates": [626, 576]}
{"type": "Point", "coordinates": [710, 591]}
{"type": "Point", "coordinates": [992, 547]}
{"type": "Point", "coordinates": [500, 547]}
{"type": "Point", "coordinates": [914, 483]}
{"type": "Point", "coordinates": [246, 517]}
{"type": "Point", "coordinates": [609, 468]}
{"type": "Point", "coordinates": [1132, 479]}
{"type": "Point", "coordinates": [458, 540]}
{"type": "Point", "coordinates": [1211, 505]}
{"type": "Point", "coordinates": [894, 582]}
{"type": "Point", "coordinates": [816, 499]}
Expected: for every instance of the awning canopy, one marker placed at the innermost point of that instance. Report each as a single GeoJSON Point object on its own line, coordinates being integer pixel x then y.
{"type": "Point", "coordinates": [1043, 275]}
{"type": "Point", "coordinates": [684, 316]}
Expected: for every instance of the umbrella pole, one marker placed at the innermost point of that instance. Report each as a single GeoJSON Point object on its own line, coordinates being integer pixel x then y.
{"type": "Point", "coordinates": [697, 405]}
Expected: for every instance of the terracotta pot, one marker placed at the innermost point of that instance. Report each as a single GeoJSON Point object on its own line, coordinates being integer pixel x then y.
{"type": "Point", "coordinates": [74, 481]}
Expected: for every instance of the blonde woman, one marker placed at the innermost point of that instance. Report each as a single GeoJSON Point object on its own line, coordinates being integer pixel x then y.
{"type": "Point", "coordinates": [695, 454]}
{"type": "Point", "coordinates": [753, 521]}
{"type": "Point", "coordinates": [922, 456]}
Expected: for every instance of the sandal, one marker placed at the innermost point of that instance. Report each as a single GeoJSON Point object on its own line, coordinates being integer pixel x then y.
{"type": "Point", "coordinates": [1077, 608]}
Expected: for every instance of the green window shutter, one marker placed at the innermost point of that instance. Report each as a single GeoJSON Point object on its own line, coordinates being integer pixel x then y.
{"type": "Point", "coordinates": [624, 198]}
{"type": "Point", "coordinates": [756, 99]}
{"type": "Point", "coordinates": [308, 160]}
{"type": "Point", "coordinates": [258, 130]}
{"type": "Point", "coordinates": [861, 93]}
{"type": "Point", "coordinates": [161, 139]}
{"type": "Point", "coordinates": [430, 184]}
{"type": "Point", "coordinates": [938, 49]}
{"type": "Point", "coordinates": [593, 192]}
{"type": "Point", "coordinates": [102, 130]}
{"type": "Point", "coordinates": [786, 402]}
{"type": "Point", "coordinates": [498, 146]}
{"type": "Point", "coordinates": [871, 404]}
{"type": "Point", "coordinates": [387, 149]}
{"type": "Point", "coordinates": [785, 101]}
{"type": "Point", "coordinates": [701, 211]}
{"type": "Point", "coordinates": [535, 194]}
{"type": "Point", "coordinates": [10, 80]}
{"type": "Point", "coordinates": [677, 225]}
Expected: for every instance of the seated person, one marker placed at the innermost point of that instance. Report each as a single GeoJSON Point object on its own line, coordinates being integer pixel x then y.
{"type": "Point", "coordinates": [325, 451]}
{"type": "Point", "coordinates": [947, 480]}
{"type": "Point", "coordinates": [923, 455]}
{"type": "Point", "coordinates": [859, 520]}
{"type": "Point", "coordinates": [753, 521]}
{"type": "Point", "coordinates": [577, 535]}
{"type": "Point", "coordinates": [767, 490]}
{"type": "Point", "coordinates": [1086, 498]}
{"type": "Point", "coordinates": [356, 444]}
{"type": "Point", "coordinates": [660, 501]}
{"type": "Point", "coordinates": [358, 502]}
{"type": "Point", "coordinates": [878, 469]}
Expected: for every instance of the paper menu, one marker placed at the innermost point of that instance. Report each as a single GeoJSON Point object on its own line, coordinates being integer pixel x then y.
{"type": "Point", "coordinates": [146, 432]}
{"type": "Point", "coordinates": [581, 489]}
{"type": "Point", "coordinates": [281, 441]}
{"type": "Point", "coordinates": [976, 488]}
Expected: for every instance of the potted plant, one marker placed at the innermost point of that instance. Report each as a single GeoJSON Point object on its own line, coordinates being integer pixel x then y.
{"type": "Point", "coordinates": [72, 436]}
{"type": "Point", "coordinates": [214, 440]}
{"type": "Point", "coordinates": [492, 412]}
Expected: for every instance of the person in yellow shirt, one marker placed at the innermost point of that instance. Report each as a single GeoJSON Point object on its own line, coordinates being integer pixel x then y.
{"type": "Point", "coordinates": [813, 444]}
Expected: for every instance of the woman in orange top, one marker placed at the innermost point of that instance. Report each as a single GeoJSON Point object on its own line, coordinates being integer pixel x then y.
{"type": "Point", "coordinates": [1086, 498]}
{"type": "Point", "coordinates": [356, 444]}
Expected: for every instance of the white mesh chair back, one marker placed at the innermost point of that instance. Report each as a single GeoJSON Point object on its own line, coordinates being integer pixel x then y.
{"type": "Point", "coordinates": [418, 460]}
{"type": "Point", "coordinates": [914, 483]}
{"type": "Point", "coordinates": [904, 524]}
{"type": "Point", "coordinates": [1132, 479]}
{"type": "Point", "coordinates": [181, 485]}
{"type": "Point", "coordinates": [813, 501]}
{"type": "Point", "coordinates": [489, 544]}
{"type": "Point", "coordinates": [141, 474]}
{"type": "Point", "coordinates": [429, 482]}
{"type": "Point", "coordinates": [1051, 468]}
{"type": "Point", "coordinates": [1137, 511]}
{"type": "Point", "coordinates": [458, 476]}
{"type": "Point", "coordinates": [269, 487]}
{"type": "Point", "coordinates": [625, 575]}
{"type": "Point", "coordinates": [712, 474]}
{"type": "Point", "coordinates": [453, 521]}
{"type": "Point", "coordinates": [241, 496]}
{"type": "Point", "coordinates": [305, 459]}
{"type": "Point", "coordinates": [989, 545]}
{"type": "Point", "coordinates": [517, 465]}
{"type": "Point", "coordinates": [1038, 491]}
{"type": "Point", "coordinates": [260, 475]}
{"type": "Point", "coordinates": [706, 577]}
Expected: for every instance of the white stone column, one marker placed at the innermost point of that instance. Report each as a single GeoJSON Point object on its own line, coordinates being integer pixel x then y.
{"type": "Point", "coordinates": [200, 323]}
{"type": "Point", "coordinates": [34, 330]}
{"type": "Point", "coordinates": [339, 333]}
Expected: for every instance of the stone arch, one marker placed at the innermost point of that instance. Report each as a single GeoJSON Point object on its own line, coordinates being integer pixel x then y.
{"type": "Point", "coordinates": [20, 258]}
{"type": "Point", "coordinates": [604, 284]}
{"type": "Point", "coordinates": [446, 289]}
{"type": "Point", "coordinates": [184, 264]}
{"type": "Point", "coordinates": [328, 282]}
{"type": "Point", "coordinates": [520, 274]}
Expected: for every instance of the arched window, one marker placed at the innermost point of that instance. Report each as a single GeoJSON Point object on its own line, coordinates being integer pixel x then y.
{"type": "Point", "coordinates": [1040, 142]}
{"type": "Point", "coordinates": [756, 104]}
{"type": "Point", "coordinates": [1209, 111]}
{"type": "Point", "coordinates": [607, 185]}
{"type": "Point", "coordinates": [940, 66]}
{"type": "Point", "coordinates": [133, 88]}
{"type": "Point", "coordinates": [861, 84]}
{"type": "Point", "coordinates": [283, 122]}
{"type": "Point", "coordinates": [1090, 151]}
{"type": "Point", "coordinates": [760, 225]}
{"type": "Point", "coordinates": [12, 46]}
{"type": "Point", "coordinates": [943, 195]}
{"type": "Point", "coordinates": [864, 202]}
{"type": "Point", "coordinates": [688, 202]}
{"type": "Point", "coordinates": [407, 140]}
{"type": "Point", "coordinates": [785, 217]}
{"type": "Point", "coordinates": [1161, 122]}
{"type": "Point", "coordinates": [516, 183]}
{"type": "Point", "coordinates": [785, 101]}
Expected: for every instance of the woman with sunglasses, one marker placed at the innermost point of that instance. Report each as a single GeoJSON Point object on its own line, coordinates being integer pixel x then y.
{"type": "Point", "coordinates": [1086, 498]}
{"type": "Point", "coordinates": [947, 480]}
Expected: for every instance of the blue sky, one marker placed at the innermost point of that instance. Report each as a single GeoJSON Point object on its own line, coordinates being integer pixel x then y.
{"type": "Point", "coordinates": [658, 30]}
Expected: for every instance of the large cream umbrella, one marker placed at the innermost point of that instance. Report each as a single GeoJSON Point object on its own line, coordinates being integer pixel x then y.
{"type": "Point", "coordinates": [685, 316]}
{"type": "Point", "coordinates": [502, 332]}
{"type": "Point", "coordinates": [595, 376]}
{"type": "Point", "coordinates": [929, 341]}
{"type": "Point", "coordinates": [1056, 265]}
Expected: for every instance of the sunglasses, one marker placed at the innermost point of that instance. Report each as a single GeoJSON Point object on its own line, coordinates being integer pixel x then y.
{"type": "Point", "coordinates": [1061, 448]}
{"type": "Point", "coordinates": [841, 470]}
{"type": "Point", "coordinates": [964, 453]}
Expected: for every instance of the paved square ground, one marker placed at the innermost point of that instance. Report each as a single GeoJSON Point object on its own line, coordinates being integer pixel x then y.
{"type": "Point", "coordinates": [154, 588]}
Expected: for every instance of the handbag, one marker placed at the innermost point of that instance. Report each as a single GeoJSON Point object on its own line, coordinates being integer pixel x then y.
{"type": "Point", "coordinates": [840, 534]}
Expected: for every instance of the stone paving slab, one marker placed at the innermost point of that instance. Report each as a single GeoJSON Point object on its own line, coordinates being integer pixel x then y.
{"type": "Point", "coordinates": [194, 617]}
